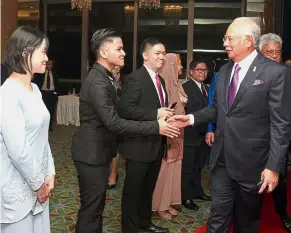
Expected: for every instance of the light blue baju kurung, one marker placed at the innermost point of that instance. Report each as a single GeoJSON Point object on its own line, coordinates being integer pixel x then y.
{"type": "Point", "coordinates": [26, 158]}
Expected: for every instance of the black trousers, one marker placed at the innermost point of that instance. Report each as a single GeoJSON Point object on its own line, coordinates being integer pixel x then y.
{"type": "Point", "coordinates": [93, 181]}
{"type": "Point", "coordinates": [139, 185]}
{"type": "Point", "coordinates": [50, 100]}
{"type": "Point", "coordinates": [280, 195]}
{"type": "Point", "coordinates": [233, 198]}
{"type": "Point", "coordinates": [194, 159]}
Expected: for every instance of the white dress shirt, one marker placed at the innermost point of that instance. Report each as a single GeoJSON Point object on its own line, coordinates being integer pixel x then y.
{"type": "Point", "coordinates": [153, 77]}
{"type": "Point", "coordinates": [44, 85]}
{"type": "Point", "coordinates": [244, 65]}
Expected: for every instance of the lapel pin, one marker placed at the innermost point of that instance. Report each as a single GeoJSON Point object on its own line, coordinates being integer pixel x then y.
{"type": "Point", "coordinates": [255, 69]}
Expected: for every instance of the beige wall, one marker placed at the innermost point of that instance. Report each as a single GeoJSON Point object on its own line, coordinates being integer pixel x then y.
{"type": "Point", "coordinates": [8, 21]}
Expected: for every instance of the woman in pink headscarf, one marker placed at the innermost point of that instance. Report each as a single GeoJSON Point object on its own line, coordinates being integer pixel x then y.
{"type": "Point", "coordinates": [168, 187]}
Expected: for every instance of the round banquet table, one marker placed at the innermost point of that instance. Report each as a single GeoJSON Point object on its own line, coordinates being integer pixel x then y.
{"type": "Point", "coordinates": [68, 110]}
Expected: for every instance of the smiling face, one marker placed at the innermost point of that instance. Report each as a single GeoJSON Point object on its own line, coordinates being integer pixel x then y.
{"type": "Point", "coordinates": [199, 73]}
{"type": "Point", "coordinates": [113, 53]}
{"type": "Point", "coordinates": [39, 59]}
{"type": "Point", "coordinates": [154, 57]}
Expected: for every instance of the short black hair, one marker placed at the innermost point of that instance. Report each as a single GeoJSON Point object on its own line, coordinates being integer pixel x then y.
{"type": "Point", "coordinates": [100, 37]}
{"type": "Point", "coordinates": [195, 63]}
{"type": "Point", "coordinates": [22, 43]}
{"type": "Point", "coordinates": [148, 43]}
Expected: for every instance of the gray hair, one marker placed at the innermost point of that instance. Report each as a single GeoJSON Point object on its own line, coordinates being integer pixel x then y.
{"type": "Point", "coordinates": [249, 27]}
{"type": "Point", "coordinates": [270, 38]}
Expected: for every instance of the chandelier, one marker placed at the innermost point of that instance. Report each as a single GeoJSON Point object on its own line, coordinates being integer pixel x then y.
{"type": "Point", "coordinates": [149, 4]}
{"type": "Point", "coordinates": [173, 10]}
{"type": "Point", "coordinates": [81, 4]}
{"type": "Point", "coordinates": [128, 10]}
{"type": "Point", "coordinates": [172, 15]}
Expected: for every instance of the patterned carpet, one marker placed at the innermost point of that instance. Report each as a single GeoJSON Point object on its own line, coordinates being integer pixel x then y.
{"type": "Point", "coordinates": [65, 200]}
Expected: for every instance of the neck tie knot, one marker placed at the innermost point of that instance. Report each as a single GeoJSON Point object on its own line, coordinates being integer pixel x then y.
{"type": "Point", "coordinates": [237, 68]}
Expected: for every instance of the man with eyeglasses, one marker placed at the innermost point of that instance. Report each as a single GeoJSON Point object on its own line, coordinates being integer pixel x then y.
{"type": "Point", "coordinates": [252, 112]}
{"type": "Point", "coordinates": [271, 47]}
{"type": "Point", "coordinates": [196, 152]}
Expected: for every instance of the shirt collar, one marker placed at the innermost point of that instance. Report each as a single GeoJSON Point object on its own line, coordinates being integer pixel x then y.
{"type": "Point", "coordinates": [247, 61]}
{"type": "Point", "coordinates": [151, 72]}
{"type": "Point", "coordinates": [198, 83]}
{"type": "Point", "coordinates": [104, 70]}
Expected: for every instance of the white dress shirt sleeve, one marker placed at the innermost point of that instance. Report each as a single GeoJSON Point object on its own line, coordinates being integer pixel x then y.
{"type": "Point", "coordinates": [191, 119]}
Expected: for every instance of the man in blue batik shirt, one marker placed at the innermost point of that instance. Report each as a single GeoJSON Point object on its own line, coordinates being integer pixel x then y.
{"type": "Point", "coordinates": [209, 137]}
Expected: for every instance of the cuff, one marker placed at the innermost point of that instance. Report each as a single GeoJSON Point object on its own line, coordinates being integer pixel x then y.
{"type": "Point", "coordinates": [191, 119]}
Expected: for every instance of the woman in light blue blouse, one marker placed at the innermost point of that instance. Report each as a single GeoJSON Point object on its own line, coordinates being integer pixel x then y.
{"type": "Point", "coordinates": [27, 166]}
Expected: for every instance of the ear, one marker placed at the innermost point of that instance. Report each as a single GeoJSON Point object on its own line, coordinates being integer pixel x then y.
{"type": "Point", "coordinates": [249, 41]}
{"type": "Point", "coordinates": [191, 72]}
{"type": "Point", "coordinates": [25, 53]}
{"type": "Point", "coordinates": [145, 56]}
{"type": "Point", "coordinates": [103, 53]}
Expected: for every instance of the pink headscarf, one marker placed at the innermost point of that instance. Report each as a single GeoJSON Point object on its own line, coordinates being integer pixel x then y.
{"type": "Point", "coordinates": [169, 73]}
{"type": "Point", "coordinates": [174, 89]}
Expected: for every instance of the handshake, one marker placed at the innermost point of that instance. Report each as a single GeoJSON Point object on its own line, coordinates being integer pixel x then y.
{"type": "Point", "coordinates": [170, 124]}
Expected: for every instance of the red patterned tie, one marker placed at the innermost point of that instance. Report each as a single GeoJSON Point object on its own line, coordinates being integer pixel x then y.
{"type": "Point", "coordinates": [159, 86]}
{"type": "Point", "coordinates": [203, 91]}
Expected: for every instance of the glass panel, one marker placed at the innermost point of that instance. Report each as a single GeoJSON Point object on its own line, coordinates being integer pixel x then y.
{"type": "Point", "coordinates": [64, 33]}
{"type": "Point", "coordinates": [116, 16]}
{"type": "Point", "coordinates": [168, 23]}
{"type": "Point", "coordinates": [211, 19]}
{"type": "Point", "coordinates": [262, 12]}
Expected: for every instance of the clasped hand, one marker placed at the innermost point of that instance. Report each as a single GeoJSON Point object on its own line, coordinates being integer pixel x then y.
{"type": "Point", "coordinates": [44, 192]}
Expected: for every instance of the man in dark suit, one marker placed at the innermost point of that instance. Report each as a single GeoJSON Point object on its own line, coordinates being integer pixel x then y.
{"type": "Point", "coordinates": [47, 83]}
{"type": "Point", "coordinates": [271, 47]}
{"type": "Point", "coordinates": [252, 111]}
{"type": "Point", "coordinates": [143, 97]}
{"type": "Point", "coordinates": [95, 144]}
{"type": "Point", "coordinates": [196, 152]}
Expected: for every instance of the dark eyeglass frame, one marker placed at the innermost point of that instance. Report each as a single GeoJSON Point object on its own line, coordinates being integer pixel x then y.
{"type": "Point", "coordinates": [273, 52]}
{"type": "Point", "coordinates": [202, 70]}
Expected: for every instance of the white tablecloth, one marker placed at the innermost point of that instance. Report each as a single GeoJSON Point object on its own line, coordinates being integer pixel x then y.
{"type": "Point", "coordinates": [68, 110]}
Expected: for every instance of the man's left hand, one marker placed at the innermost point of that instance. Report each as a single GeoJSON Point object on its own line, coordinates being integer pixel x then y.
{"type": "Point", "coordinates": [270, 179]}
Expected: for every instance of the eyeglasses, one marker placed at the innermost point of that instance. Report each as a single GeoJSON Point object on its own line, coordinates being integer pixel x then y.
{"type": "Point", "coordinates": [273, 52]}
{"type": "Point", "coordinates": [201, 70]}
{"type": "Point", "coordinates": [230, 38]}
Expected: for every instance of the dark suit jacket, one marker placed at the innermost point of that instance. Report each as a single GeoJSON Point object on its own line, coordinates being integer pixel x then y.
{"type": "Point", "coordinates": [95, 143]}
{"type": "Point", "coordinates": [139, 100]}
{"type": "Point", "coordinates": [254, 133]}
{"type": "Point", "coordinates": [194, 136]}
{"type": "Point", "coordinates": [38, 79]}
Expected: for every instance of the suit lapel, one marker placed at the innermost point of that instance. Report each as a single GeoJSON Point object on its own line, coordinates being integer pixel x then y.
{"type": "Point", "coordinates": [198, 91]}
{"type": "Point", "coordinates": [250, 77]}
